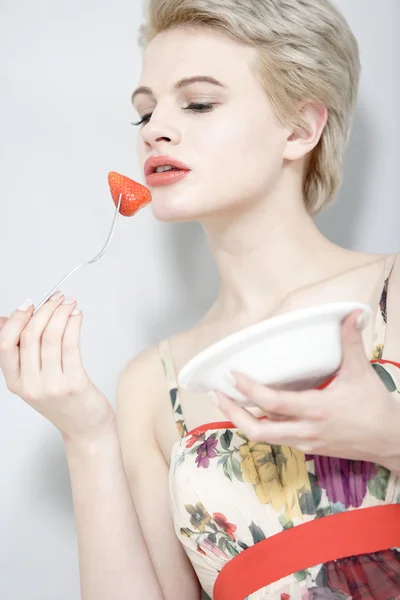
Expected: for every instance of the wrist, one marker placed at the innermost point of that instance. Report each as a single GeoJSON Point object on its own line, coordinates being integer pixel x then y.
{"type": "Point", "coordinates": [91, 441]}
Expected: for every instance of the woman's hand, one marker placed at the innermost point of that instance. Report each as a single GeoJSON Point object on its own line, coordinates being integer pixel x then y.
{"type": "Point", "coordinates": [355, 417]}
{"type": "Point", "coordinates": [41, 361]}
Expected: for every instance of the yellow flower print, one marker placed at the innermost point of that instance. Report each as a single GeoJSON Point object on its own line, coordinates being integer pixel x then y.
{"type": "Point", "coordinates": [294, 478]}
{"type": "Point", "coordinates": [378, 352]}
{"type": "Point", "coordinates": [278, 475]}
{"type": "Point", "coordinates": [259, 469]}
{"type": "Point", "coordinates": [199, 517]}
{"type": "Point", "coordinates": [185, 532]}
{"type": "Point", "coordinates": [181, 428]}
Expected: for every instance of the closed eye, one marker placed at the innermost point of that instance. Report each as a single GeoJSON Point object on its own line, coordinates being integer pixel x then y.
{"type": "Point", "coordinates": [198, 107]}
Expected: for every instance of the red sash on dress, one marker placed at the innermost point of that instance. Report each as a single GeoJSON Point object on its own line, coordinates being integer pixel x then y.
{"type": "Point", "coordinates": [360, 531]}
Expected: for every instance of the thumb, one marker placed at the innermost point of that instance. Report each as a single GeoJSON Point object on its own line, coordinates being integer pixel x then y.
{"type": "Point", "coordinates": [354, 356]}
{"type": "Point", "coordinates": [3, 321]}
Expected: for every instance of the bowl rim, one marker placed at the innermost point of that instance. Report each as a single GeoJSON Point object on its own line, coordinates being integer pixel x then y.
{"type": "Point", "coordinates": [339, 309]}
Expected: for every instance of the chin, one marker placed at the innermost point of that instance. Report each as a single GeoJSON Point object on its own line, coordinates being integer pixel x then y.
{"type": "Point", "coordinates": [172, 207]}
{"type": "Point", "coordinates": [166, 216]}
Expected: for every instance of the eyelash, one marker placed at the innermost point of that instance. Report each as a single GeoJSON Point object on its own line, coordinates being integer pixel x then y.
{"type": "Point", "coordinates": [195, 106]}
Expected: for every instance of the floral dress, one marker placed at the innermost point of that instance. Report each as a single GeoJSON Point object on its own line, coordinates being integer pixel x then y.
{"type": "Point", "coordinates": [229, 493]}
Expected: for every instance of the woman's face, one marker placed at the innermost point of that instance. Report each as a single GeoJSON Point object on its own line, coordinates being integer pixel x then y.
{"type": "Point", "coordinates": [234, 146]}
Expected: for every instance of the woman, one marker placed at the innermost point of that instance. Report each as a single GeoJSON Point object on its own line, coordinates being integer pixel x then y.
{"type": "Point", "coordinates": [253, 99]}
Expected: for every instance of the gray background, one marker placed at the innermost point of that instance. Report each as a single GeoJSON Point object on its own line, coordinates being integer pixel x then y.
{"type": "Point", "coordinates": [66, 73]}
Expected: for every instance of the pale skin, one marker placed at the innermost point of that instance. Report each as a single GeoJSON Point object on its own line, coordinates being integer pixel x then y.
{"type": "Point", "coordinates": [245, 189]}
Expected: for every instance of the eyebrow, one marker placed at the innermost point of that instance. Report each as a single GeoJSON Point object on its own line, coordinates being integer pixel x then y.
{"type": "Point", "coordinates": [180, 84]}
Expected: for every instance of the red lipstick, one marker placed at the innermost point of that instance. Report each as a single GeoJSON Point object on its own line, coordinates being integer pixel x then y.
{"type": "Point", "coordinates": [153, 178]}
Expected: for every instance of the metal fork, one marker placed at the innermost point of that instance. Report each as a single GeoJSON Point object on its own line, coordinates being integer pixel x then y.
{"type": "Point", "coordinates": [90, 262]}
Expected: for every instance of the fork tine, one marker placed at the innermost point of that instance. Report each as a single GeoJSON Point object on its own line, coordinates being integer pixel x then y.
{"type": "Point", "coordinates": [93, 260]}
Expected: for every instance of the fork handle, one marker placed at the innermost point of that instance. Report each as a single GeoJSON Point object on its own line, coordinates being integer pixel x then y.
{"type": "Point", "coordinates": [55, 289]}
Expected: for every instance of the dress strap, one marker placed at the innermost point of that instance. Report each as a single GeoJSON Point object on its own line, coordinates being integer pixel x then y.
{"type": "Point", "coordinates": [381, 313]}
{"type": "Point", "coordinates": [170, 375]}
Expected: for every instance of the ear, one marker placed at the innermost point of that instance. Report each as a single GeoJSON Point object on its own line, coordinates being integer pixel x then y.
{"type": "Point", "coordinates": [301, 143]}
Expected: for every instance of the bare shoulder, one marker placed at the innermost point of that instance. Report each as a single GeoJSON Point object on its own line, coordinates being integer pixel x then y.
{"type": "Point", "coordinates": [143, 403]}
{"type": "Point", "coordinates": [143, 374]}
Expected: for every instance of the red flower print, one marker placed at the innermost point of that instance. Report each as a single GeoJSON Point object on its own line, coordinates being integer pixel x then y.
{"type": "Point", "coordinates": [206, 451]}
{"type": "Point", "coordinates": [201, 550]}
{"type": "Point", "coordinates": [285, 596]}
{"type": "Point", "coordinates": [222, 522]}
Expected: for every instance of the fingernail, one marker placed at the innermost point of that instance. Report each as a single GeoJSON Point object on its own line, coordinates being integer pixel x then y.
{"type": "Point", "coordinates": [76, 311]}
{"type": "Point", "coordinates": [69, 300]}
{"type": "Point", "coordinates": [56, 296]}
{"type": "Point", "coordinates": [26, 304]}
{"type": "Point", "coordinates": [229, 378]}
{"type": "Point", "coordinates": [213, 397]}
{"type": "Point", "coordinates": [362, 321]}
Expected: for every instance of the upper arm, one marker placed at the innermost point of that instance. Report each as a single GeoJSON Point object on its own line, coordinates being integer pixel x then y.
{"type": "Point", "coordinates": [139, 389]}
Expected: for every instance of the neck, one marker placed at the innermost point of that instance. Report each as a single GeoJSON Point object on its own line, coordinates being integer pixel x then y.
{"type": "Point", "coordinates": [265, 253]}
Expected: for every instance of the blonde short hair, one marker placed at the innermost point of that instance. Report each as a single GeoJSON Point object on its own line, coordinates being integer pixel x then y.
{"type": "Point", "coordinates": [307, 52]}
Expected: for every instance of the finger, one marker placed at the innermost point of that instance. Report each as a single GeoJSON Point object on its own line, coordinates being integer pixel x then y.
{"type": "Point", "coordinates": [31, 336]}
{"type": "Point", "coordinates": [71, 353]}
{"type": "Point", "coordinates": [3, 321]}
{"type": "Point", "coordinates": [51, 346]}
{"type": "Point", "coordinates": [296, 405]}
{"type": "Point", "coordinates": [354, 357]}
{"type": "Point", "coordinates": [9, 339]}
{"type": "Point", "coordinates": [288, 433]}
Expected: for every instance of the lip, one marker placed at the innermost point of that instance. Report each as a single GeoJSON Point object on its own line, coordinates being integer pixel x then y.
{"type": "Point", "coordinates": [166, 178]}
{"type": "Point", "coordinates": [153, 162]}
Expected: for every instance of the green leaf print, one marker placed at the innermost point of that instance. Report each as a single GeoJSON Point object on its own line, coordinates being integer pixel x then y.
{"type": "Point", "coordinates": [377, 486]}
{"type": "Point", "coordinates": [285, 523]}
{"type": "Point", "coordinates": [332, 509]}
{"type": "Point", "coordinates": [323, 512]}
{"type": "Point", "coordinates": [337, 507]}
{"type": "Point", "coordinates": [222, 544]}
{"type": "Point", "coordinates": [231, 549]}
{"type": "Point", "coordinates": [385, 377]}
{"type": "Point", "coordinates": [212, 537]}
{"type": "Point", "coordinates": [228, 470]}
{"type": "Point", "coordinates": [315, 489]}
{"type": "Point", "coordinates": [306, 501]}
{"type": "Point", "coordinates": [173, 393]}
{"type": "Point", "coordinates": [237, 471]}
{"type": "Point", "coordinates": [223, 460]}
{"type": "Point", "coordinates": [301, 575]}
{"type": "Point", "coordinates": [226, 439]}
{"type": "Point", "coordinates": [243, 545]}
{"type": "Point", "coordinates": [257, 533]}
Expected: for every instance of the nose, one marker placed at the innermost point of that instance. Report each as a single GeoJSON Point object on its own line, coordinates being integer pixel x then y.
{"type": "Point", "coordinates": [154, 135]}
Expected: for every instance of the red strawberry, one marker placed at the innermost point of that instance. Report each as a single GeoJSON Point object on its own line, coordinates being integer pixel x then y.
{"type": "Point", "coordinates": [134, 195]}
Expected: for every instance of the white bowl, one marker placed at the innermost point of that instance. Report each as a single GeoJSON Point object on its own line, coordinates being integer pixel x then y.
{"type": "Point", "coordinates": [298, 350]}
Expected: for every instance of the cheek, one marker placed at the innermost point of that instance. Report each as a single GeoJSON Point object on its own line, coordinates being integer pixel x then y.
{"type": "Point", "coordinates": [245, 159]}
{"type": "Point", "coordinates": [140, 153]}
